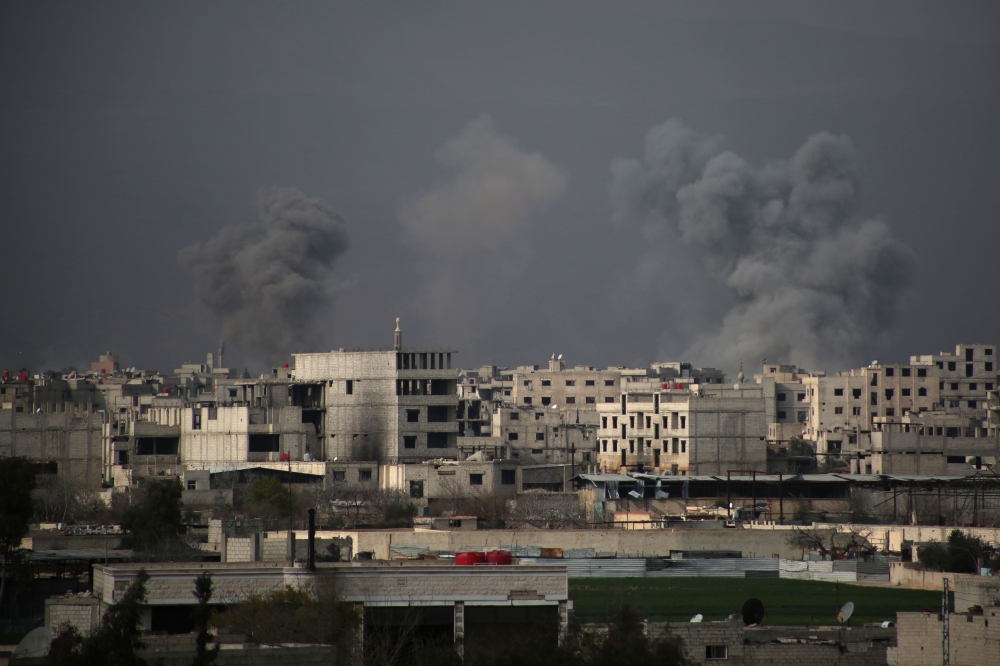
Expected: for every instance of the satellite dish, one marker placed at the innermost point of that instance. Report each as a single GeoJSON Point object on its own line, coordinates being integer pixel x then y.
{"type": "Point", "coordinates": [35, 644]}
{"type": "Point", "coordinates": [753, 611]}
{"type": "Point", "coordinates": [698, 618]}
{"type": "Point", "coordinates": [888, 624]}
{"type": "Point", "coordinates": [845, 613]}
{"type": "Point", "coordinates": [559, 357]}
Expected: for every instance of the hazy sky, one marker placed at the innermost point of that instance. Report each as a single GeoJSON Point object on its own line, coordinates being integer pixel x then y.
{"type": "Point", "coordinates": [468, 150]}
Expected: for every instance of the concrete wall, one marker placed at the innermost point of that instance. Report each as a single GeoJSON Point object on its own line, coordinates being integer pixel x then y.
{"type": "Point", "coordinates": [974, 639]}
{"type": "Point", "coordinates": [82, 612]}
{"type": "Point", "coordinates": [73, 439]}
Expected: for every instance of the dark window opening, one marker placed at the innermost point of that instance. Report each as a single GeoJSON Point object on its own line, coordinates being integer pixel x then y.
{"type": "Point", "coordinates": [264, 443]}
{"type": "Point", "coordinates": [437, 414]}
{"type": "Point", "coordinates": [921, 372]}
{"type": "Point", "coordinates": [157, 446]}
{"type": "Point", "coordinates": [838, 392]}
{"type": "Point", "coordinates": [413, 416]}
{"type": "Point", "coordinates": [350, 387]}
{"type": "Point", "coordinates": [508, 477]}
{"type": "Point", "coordinates": [539, 436]}
{"type": "Point", "coordinates": [410, 442]}
{"type": "Point", "coordinates": [364, 475]}
{"type": "Point", "coordinates": [416, 489]}
{"type": "Point", "coordinates": [475, 479]}
{"type": "Point", "coordinates": [437, 440]}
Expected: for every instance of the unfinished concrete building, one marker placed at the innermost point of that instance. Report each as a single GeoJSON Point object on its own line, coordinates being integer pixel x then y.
{"type": "Point", "coordinates": [387, 406]}
{"type": "Point", "coordinates": [540, 435]}
{"type": "Point", "coordinates": [698, 430]}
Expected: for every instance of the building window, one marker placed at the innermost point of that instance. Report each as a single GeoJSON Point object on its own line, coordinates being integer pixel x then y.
{"type": "Point", "coordinates": [527, 400]}
{"type": "Point", "coordinates": [475, 479]}
{"type": "Point", "coordinates": [856, 393]}
{"type": "Point", "coordinates": [192, 485]}
{"type": "Point", "coordinates": [888, 394]}
{"type": "Point", "coordinates": [527, 383]}
{"type": "Point", "coordinates": [956, 460]}
{"type": "Point", "coordinates": [570, 382]}
{"type": "Point", "coordinates": [951, 366]}
{"type": "Point", "coordinates": [512, 436]}
{"type": "Point", "coordinates": [614, 446]}
{"type": "Point", "coordinates": [546, 383]}
{"type": "Point", "coordinates": [437, 440]}
{"type": "Point", "coordinates": [412, 415]}
{"type": "Point", "coordinates": [989, 366]}
{"type": "Point", "coordinates": [921, 372]}
{"type": "Point", "coordinates": [546, 400]}
{"type": "Point", "coordinates": [589, 382]}
{"type": "Point", "coordinates": [856, 411]}
{"type": "Point", "coordinates": [454, 522]}
{"type": "Point", "coordinates": [972, 404]}
{"type": "Point", "coordinates": [590, 400]}
{"type": "Point", "coordinates": [922, 391]}
{"type": "Point", "coordinates": [539, 436]}
{"type": "Point", "coordinates": [416, 489]}
{"type": "Point", "coordinates": [364, 475]}
{"type": "Point", "coordinates": [339, 475]}
{"type": "Point", "coordinates": [609, 382]}
{"type": "Point", "coordinates": [196, 418]}
{"type": "Point", "coordinates": [514, 416]}
{"type": "Point", "coordinates": [838, 410]}
{"type": "Point", "coordinates": [889, 372]}
{"type": "Point", "coordinates": [350, 387]}
{"type": "Point", "coordinates": [874, 398]}
{"type": "Point", "coordinates": [410, 442]}
{"type": "Point", "coordinates": [608, 399]}
{"type": "Point", "coordinates": [989, 386]}
{"type": "Point", "coordinates": [954, 386]}
{"type": "Point", "coordinates": [889, 411]}
{"type": "Point", "coordinates": [972, 387]}
{"type": "Point", "coordinates": [570, 400]}
{"type": "Point", "coordinates": [605, 446]}
{"type": "Point", "coordinates": [782, 415]}
{"type": "Point", "coordinates": [838, 392]}
{"type": "Point", "coordinates": [906, 393]}
{"type": "Point", "coordinates": [684, 446]}
{"type": "Point", "coordinates": [604, 421]}
{"type": "Point", "coordinates": [781, 397]}
{"type": "Point", "coordinates": [508, 477]}
{"type": "Point", "coordinates": [717, 652]}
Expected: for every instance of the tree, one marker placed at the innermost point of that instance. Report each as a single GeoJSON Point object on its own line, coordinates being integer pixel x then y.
{"type": "Point", "coordinates": [118, 638]}
{"type": "Point", "coordinates": [17, 480]}
{"type": "Point", "coordinates": [962, 553]}
{"type": "Point", "coordinates": [155, 523]}
{"type": "Point", "coordinates": [268, 498]}
{"type": "Point", "coordinates": [202, 615]}
{"type": "Point", "coordinates": [831, 543]}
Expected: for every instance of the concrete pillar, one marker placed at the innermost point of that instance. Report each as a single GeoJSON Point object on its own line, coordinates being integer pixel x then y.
{"type": "Point", "coordinates": [563, 620]}
{"type": "Point", "coordinates": [359, 606]}
{"type": "Point", "coordinates": [460, 628]}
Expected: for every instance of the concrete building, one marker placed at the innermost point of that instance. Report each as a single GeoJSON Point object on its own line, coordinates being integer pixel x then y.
{"type": "Point", "coordinates": [546, 435]}
{"type": "Point", "coordinates": [433, 481]}
{"type": "Point", "coordinates": [389, 406]}
{"type": "Point", "coordinates": [699, 430]}
{"type": "Point", "coordinates": [576, 388]}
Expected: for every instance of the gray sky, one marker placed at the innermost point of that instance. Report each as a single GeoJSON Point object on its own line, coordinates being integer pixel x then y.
{"type": "Point", "coordinates": [132, 131]}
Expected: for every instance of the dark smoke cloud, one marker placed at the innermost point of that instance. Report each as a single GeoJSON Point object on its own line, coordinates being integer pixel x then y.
{"type": "Point", "coordinates": [813, 281]}
{"type": "Point", "coordinates": [264, 283]}
{"type": "Point", "coordinates": [481, 216]}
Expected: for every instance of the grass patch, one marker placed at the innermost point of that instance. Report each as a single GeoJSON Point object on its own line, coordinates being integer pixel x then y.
{"type": "Point", "coordinates": [786, 601]}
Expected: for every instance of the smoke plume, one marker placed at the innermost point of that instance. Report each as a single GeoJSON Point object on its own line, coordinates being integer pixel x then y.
{"type": "Point", "coordinates": [264, 283]}
{"type": "Point", "coordinates": [813, 282]}
{"type": "Point", "coordinates": [478, 219]}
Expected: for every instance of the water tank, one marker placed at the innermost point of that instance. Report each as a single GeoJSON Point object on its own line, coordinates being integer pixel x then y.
{"type": "Point", "coordinates": [499, 557]}
{"type": "Point", "coordinates": [468, 559]}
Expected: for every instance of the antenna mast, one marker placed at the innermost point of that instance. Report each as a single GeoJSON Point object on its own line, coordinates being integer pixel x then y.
{"type": "Point", "coordinates": [945, 626]}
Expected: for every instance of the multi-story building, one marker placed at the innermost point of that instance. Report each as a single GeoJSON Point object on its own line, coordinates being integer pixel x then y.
{"type": "Point", "coordinates": [690, 431]}
{"type": "Point", "coordinates": [387, 406]}
{"type": "Point", "coordinates": [577, 388]}
{"type": "Point", "coordinates": [544, 435]}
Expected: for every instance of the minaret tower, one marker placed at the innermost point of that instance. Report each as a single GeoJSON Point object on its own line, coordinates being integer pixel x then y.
{"type": "Point", "coordinates": [398, 337]}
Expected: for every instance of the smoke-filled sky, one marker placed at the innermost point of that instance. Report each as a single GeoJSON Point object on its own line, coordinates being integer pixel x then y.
{"type": "Point", "coordinates": [620, 182]}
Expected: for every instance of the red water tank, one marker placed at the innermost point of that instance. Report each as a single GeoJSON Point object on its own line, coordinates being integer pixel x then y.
{"type": "Point", "coordinates": [677, 386]}
{"type": "Point", "coordinates": [498, 557]}
{"type": "Point", "coordinates": [663, 386]}
{"type": "Point", "coordinates": [283, 457]}
{"type": "Point", "coordinates": [468, 559]}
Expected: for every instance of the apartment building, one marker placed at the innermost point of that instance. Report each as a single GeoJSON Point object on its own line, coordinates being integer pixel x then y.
{"type": "Point", "coordinates": [546, 435]}
{"type": "Point", "coordinates": [689, 431]}
{"type": "Point", "coordinates": [575, 388]}
{"type": "Point", "coordinates": [388, 406]}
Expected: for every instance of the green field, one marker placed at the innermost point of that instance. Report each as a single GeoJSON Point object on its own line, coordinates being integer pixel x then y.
{"type": "Point", "coordinates": [787, 602]}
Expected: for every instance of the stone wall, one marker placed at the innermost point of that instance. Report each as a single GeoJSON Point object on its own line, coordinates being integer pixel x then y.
{"type": "Point", "coordinates": [82, 612]}
{"type": "Point", "coordinates": [974, 639]}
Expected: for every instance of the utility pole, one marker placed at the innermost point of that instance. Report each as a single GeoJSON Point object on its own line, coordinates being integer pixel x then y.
{"type": "Point", "coordinates": [945, 626]}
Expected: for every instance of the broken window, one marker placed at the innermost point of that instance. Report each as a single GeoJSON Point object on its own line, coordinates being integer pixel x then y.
{"type": "Point", "coordinates": [512, 436]}
{"type": "Point", "coordinates": [800, 397]}
{"type": "Point", "coordinates": [675, 446]}
{"type": "Point", "coordinates": [605, 446]}
{"type": "Point", "coordinates": [951, 366]}
{"type": "Point", "coordinates": [437, 414]}
{"type": "Point", "coordinates": [684, 445]}
{"type": "Point", "coordinates": [972, 404]}
{"type": "Point", "coordinates": [546, 400]}
{"type": "Point", "coordinates": [196, 418]}
{"type": "Point", "coordinates": [339, 475]}
{"type": "Point", "coordinates": [922, 391]}
{"type": "Point", "coordinates": [889, 393]}
{"type": "Point", "coordinates": [716, 652]}
{"type": "Point", "coordinates": [614, 445]}
{"type": "Point", "coordinates": [889, 372]}
{"type": "Point", "coordinates": [856, 393]}
{"type": "Point", "coordinates": [905, 372]}
{"type": "Point", "coordinates": [437, 440]}
{"type": "Point", "coordinates": [604, 421]}
{"type": "Point", "coordinates": [874, 381]}
{"type": "Point", "coordinates": [969, 370]}
{"type": "Point", "coordinates": [874, 398]}
{"type": "Point", "coordinates": [889, 411]}
{"type": "Point", "coordinates": [954, 386]}
{"type": "Point", "coordinates": [527, 383]}
{"type": "Point", "coordinates": [527, 400]}
{"type": "Point", "coordinates": [972, 386]}
{"type": "Point", "coordinates": [364, 475]}
{"type": "Point", "coordinates": [570, 382]}
{"type": "Point", "coordinates": [968, 354]}
{"type": "Point", "coordinates": [921, 372]}
{"type": "Point", "coordinates": [416, 489]}
{"type": "Point", "coordinates": [683, 422]}
{"type": "Point", "coordinates": [989, 366]}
